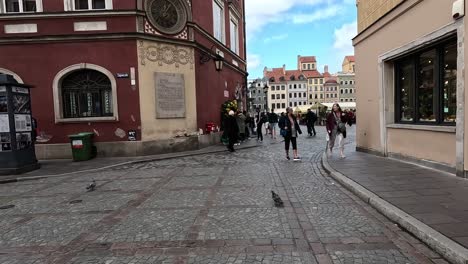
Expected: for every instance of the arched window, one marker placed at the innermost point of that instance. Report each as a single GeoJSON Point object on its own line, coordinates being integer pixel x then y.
{"type": "Point", "coordinates": [86, 93]}
{"type": "Point", "coordinates": [15, 76]}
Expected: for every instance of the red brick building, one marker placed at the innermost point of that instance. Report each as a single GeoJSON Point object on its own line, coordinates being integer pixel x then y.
{"type": "Point", "coordinates": [114, 67]}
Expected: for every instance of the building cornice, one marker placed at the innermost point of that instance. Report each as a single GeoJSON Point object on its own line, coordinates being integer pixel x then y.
{"type": "Point", "coordinates": [112, 37]}
{"type": "Point", "coordinates": [70, 14]}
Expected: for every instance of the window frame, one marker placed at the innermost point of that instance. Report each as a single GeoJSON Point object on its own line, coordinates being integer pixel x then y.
{"type": "Point", "coordinates": [222, 21]}
{"type": "Point", "coordinates": [70, 6]}
{"type": "Point", "coordinates": [58, 101]}
{"type": "Point", "coordinates": [413, 58]}
{"type": "Point", "coordinates": [3, 8]}
{"type": "Point", "coordinates": [235, 20]}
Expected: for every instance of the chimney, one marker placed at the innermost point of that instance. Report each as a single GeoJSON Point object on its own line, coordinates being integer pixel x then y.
{"type": "Point", "coordinates": [284, 69]}
{"type": "Point", "coordinates": [299, 62]}
{"type": "Point", "coordinates": [325, 69]}
{"type": "Point", "coordinates": [265, 72]}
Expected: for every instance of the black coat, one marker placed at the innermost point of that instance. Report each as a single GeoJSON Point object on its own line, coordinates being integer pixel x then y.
{"type": "Point", "coordinates": [311, 117]}
{"type": "Point", "coordinates": [286, 124]}
{"type": "Point", "coordinates": [231, 129]}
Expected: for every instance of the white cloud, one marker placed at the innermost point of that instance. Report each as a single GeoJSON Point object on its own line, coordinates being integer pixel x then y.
{"type": "Point", "coordinates": [263, 12]}
{"type": "Point", "coordinates": [253, 61]}
{"type": "Point", "coordinates": [277, 37]}
{"type": "Point", "coordinates": [328, 12]}
{"type": "Point", "coordinates": [343, 38]}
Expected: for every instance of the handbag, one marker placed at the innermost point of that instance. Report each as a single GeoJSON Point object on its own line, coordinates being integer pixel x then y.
{"type": "Point", "coordinates": [283, 132]}
{"type": "Point", "coordinates": [342, 127]}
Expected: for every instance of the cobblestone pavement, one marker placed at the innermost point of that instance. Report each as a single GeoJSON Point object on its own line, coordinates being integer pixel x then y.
{"type": "Point", "coordinates": [213, 208]}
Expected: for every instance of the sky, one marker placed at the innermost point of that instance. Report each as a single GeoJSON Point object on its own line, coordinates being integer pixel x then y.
{"type": "Point", "coordinates": [279, 30]}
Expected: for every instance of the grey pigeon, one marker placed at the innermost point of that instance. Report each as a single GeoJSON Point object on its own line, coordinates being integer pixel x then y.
{"type": "Point", "coordinates": [277, 199]}
{"type": "Point", "coordinates": [91, 187]}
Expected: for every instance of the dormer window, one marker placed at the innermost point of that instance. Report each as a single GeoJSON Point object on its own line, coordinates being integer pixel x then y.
{"type": "Point", "coordinates": [292, 78]}
{"type": "Point", "coordinates": [282, 78]}
{"type": "Point", "coordinates": [20, 6]}
{"type": "Point", "coordinates": [272, 79]}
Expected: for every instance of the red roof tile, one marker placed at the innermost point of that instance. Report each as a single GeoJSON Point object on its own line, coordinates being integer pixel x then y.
{"type": "Point", "coordinates": [331, 81]}
{"type": "Point", "coordinates": [312, 74]}
{"type": "Point", "coordinates": [307, 59]}
{"type": "Point", "coordinates": [350, 58]}
{"type": "Point", "coordinates": [277, 73]}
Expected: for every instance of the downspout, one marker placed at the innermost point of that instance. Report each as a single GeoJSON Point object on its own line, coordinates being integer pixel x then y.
{"type": "Point", "coordinates": [245, 51]}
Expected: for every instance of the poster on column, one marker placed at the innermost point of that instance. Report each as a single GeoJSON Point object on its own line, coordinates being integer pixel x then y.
{"type": "Point", "coordinates": [4, 124]}
{"type": "Point", "coordinates": [170, 95]}
{"type": "Point", "coordinates": [23, 123]}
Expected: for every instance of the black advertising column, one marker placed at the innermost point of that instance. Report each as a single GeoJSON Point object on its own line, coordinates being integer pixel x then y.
{"type": "Point", "coordinates": [17, 153]}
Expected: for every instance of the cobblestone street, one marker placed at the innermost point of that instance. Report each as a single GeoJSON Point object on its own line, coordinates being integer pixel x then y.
{"type": "Point", "coordinates": [214, 208]}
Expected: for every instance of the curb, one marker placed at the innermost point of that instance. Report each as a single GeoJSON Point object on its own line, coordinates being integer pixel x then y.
{"type": "Point", "coordinates": [443, 245]}
{"type": "Point", "coordinates": [162, 157]}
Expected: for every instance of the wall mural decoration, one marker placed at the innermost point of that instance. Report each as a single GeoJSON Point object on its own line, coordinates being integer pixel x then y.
{"type": "Point", "coordinates": [166, 54]}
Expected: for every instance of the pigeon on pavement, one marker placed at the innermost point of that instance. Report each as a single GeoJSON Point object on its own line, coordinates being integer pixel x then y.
{"type": "Point", "coordinates": [91, 187]}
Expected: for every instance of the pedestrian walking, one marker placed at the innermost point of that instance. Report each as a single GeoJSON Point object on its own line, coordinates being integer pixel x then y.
{"type": "Point", "coordinates": [240, 118]}
{"type": "Point", "coordinates": [311, 118]}
{"type": "Point", "coordinates": [292, 130]}
{"type": "Point", "coordinates": [231, 130]}
{"type": "Point", "coordinates": [336, 128]}
{"type": "Point", "coordinates": [247, 124]}
{"type": "Point", "coordinates": [260, 122]}
{"type": "Point", "coordinates": [273, 120]}
{"type": "Point", "coordinates": [281, 123]}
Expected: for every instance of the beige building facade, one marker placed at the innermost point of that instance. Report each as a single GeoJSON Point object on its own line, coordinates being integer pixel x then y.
{"type": "Point", "coordinates": [412, 101]}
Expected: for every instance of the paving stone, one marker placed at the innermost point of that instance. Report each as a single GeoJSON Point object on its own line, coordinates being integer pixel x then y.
{"type": "Point", "coordinates": [33, 205]}
{"type": "Point", "coordinates": [271, 258]}
{"type": "Point", "coordinates": [200, 171]}
{"type": "Point", "coordinates": [102, 175]}
{"type": "Point", "coordinates": [244, 196]}
{"type": "Point", "coordinates": [18, 258]}
{"type": "Point", "coordinates": [131, 184]}
{"type": "Point", "coordinates": [321, 195]}
{"type": "Point", "coordinates": [201, 181]}
{"type": "Point", "coordinates": [49, 230]}
{"type": "Point", "coordinates": [249, 223]}
{"type": "Point", "coordinates": [342, 221]}
{"type": "Point", "coordinates": [123, 260]}
{"type": "Point", "coordinates": [152, 225]}
{"type": "Point", "coordinates": [369, 257]}
{"type": "Point", "coordinates": [95, 201]}
{"type": "Point", "coordinates": [19, 189]}
{"type": "Point", "coordinates": [249, 180]}
{"type": "Point", "coordinates": [175, 199]}
{"type": "Point", "coordinates": [66, 188]}
{"type": "Point", "coordinates": [7, 222]}
{"type": "Point", "coordinates": [148, 172]}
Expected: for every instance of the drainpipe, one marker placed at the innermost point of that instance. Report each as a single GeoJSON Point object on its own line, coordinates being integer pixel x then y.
{"type": "Point", "coordinates": [245, 49]}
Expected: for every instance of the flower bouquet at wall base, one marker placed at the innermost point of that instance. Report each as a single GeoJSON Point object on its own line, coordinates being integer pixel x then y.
{"type": "Point", "coordinates": [225, 108]}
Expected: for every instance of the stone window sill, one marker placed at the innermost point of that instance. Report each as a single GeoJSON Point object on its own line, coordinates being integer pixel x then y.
{"type": "Point", "coordinates": [86, 120]}
{"type": "Point", "coordinates": [447, 129]}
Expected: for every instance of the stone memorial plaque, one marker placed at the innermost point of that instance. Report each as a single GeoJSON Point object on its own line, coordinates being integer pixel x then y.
{"type": "Point", "coordinates": [170, 95]}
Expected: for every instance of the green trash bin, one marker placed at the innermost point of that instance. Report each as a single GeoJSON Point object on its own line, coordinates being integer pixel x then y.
{"type": "Point", "coordinates": [82, 146]}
